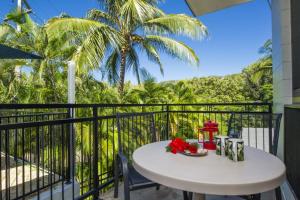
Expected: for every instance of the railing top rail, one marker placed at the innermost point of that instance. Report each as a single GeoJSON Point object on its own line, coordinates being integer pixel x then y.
{"type": "Point", "coordinates": [48, 123]}
{"type": "Point", "coordinates": [61, 121]}
{"type": "Point", "coordinates": [89, 119]}
{"type": "Point", "coordinates": [33, 114]}
{"type": "Point", "coordinates": [40, 106]}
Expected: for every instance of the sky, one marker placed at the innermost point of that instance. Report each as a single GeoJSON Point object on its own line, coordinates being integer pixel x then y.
{"type": "Point", "coordinates": [235, 35]}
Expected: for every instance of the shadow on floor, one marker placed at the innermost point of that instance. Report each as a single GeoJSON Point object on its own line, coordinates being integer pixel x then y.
{"type": "Point", "coordinates": [166, 193]}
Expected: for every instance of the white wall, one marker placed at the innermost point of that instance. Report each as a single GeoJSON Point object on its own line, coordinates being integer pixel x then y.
{"type": "Point", "coordinates": [282, 59]}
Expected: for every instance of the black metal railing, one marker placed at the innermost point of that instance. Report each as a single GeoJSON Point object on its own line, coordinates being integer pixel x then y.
{"type": "Point", "coordinates": [69, 150]}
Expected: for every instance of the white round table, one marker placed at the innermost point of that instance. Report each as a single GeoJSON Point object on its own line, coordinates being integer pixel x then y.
{"type": "Point", "coordinates": [212, 174]}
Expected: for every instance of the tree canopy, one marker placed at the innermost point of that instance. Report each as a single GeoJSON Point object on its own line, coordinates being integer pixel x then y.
{"type": "Point", "coordinates": [97, 42]}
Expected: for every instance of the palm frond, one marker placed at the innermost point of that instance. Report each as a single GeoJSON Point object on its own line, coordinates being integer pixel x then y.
{"type": "Point", "coordinates": [111, 68]}
{"type": "Point", "coordinates": [259, 70]}
{"type": "Point", "coordinates": [266, 49]}
{"type": "Point", "coordinates": [57, 26]}
{"type": "Point", "coordinates": [145, 74]}
{"type": "Point", "coordinates": [152, 54]}
{"type": "Point", "coordinates": [7, 32]}
{"type": "Point", "coordinates": [80, 27]}
{"type": "Point", "coordinates": [113, 7]}
{"type": "Point", "coordinates": [154, 2]}
{"type": "Point", "coordinates": [133, 63]}
{"type": "Point", "coordinates": [101, 16]}
{"type": "Point", "coordinates": [258, 75]}
{"type": "Point", "coordinates": [16, 16]}
{"type": "Point", "coordinates": [9, 64]}
{"type": "Point", "coordinates": [29, 26]}
{"type": "Point", "coordinates": [136, 12]}
{"type": "Point", "coordinates": [91, 52]}
{"type": "Point", "coordinates": [173, 48]}
{"type": "Point", "coordinates": [92, 38]}
{"type": "Point", "coordinates": [178, 24]}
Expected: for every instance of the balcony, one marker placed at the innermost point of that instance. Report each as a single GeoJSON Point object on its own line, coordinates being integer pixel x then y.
{"type": "Point", "coordinates": [65, 150]}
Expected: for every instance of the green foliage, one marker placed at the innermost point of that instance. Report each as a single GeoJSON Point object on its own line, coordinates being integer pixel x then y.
{"type": "Point", "coordinates": [50, 89]}
{"type": "Point", "coordinates": [258, 88]}
{"type": "Point", "coordinates": [124, 29]}
{"type": "Point", "coordinates": [34, 81]}
{"type": "Point", "coordinates": [263, 66]}
{"type": "Point", "coordinates": [218, 89]}
{"type": "Point", "coordinates": [88, 40]}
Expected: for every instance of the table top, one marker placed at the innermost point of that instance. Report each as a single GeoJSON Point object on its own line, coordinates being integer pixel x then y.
{"type": "Point", "coordinates": [212, 174]}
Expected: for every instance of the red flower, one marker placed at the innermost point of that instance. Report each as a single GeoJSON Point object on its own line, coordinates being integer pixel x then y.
{"type": "Point", "coordinates": [193, 148]}
{"type": "Point", "coordinates": [179, 145]}
{"type": "Point", "coordinates": [174, 151]}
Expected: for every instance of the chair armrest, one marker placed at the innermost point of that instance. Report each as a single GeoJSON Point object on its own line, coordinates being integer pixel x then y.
{"type": "Point", "coordinates": [121, 158]}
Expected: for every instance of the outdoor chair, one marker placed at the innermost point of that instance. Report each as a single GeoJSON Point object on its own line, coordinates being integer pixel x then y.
{"type": "Point", "coordinates": [276, 125]}
{"type": "Point", "coordinates": [259, 124]}
{"type": "Point", "coordinates": [235, 130]}
{"type": "Point", "coordinates": [232, 132]}
{"type": "Point", "coordinates": [134, 130]}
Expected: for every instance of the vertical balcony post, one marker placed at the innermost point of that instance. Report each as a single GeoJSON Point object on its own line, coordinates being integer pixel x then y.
{"type": "Point", "coordinates": [270, 111]}
{"type": "Point", "coordinates": [168, 121]}
{"type": "Point", "coordinates": [70, 147]}
{"type": "Point", "coordinates": [16, 140]}
{"type": "Point", "coordinates": [71, 81]}
{"type": "Point", "coordinates": [70, 127]}
{"type": "Point", "coordinates": [95, 156]}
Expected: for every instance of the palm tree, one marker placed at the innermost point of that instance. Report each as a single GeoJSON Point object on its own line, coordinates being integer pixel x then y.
{"type": "Point", "coordinates": [10, 83]}
{"type": "Point", "coordinates": [11, 69]}
{"type": "Point", "coordinates": [133, 26]}
{"type": "Point", "coordinates": [33, 38]}
{"type": "Point", "coordinates": [150, 92]}
{"type": "Point", "coordinates": [180, 92]}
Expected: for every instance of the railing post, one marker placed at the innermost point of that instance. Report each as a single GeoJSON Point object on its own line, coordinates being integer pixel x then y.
{"type": "Point", "coordinates": [95, 156]}
{"type": "Point", "coordinates": [270, 111]}
{"type": "Point", "coordinates": [16, 141]}
{"type": "Point", "coordinates": [70, 147]}
{"type": "Point", "coordinates": [7, 164]}
{"type": "Point", "coordinates": [168, 121]}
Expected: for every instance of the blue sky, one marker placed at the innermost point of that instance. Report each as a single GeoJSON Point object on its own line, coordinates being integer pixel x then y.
{"type": "Point", "coordinates": [235, 35]}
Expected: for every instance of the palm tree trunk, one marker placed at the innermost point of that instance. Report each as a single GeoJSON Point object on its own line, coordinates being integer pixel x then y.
{"type": "Point", "coordinates": [122, 72]}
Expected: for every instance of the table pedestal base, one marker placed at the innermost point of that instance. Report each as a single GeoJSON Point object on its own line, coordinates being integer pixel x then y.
{"type": "Point", "coordinates": [199, 196]}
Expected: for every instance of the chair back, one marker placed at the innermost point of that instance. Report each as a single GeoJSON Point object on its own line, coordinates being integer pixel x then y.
{"type": "Point", "coordinates": [254, 130]}
{"type": "Point", "coordinates": [134, 131]}
{"type": "Point", "coordinates": [234, 121]}
{"type": "Point", "coordinates": [276, 126]}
